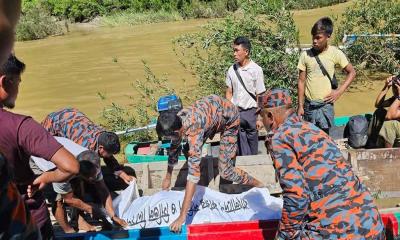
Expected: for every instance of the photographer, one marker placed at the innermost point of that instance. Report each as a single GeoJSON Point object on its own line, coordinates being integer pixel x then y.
{"type": "Point", "coordinates": [390, 128]}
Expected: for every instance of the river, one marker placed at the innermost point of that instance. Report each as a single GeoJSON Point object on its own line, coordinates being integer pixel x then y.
{"type": "Point", "coordinates": [70, 70]}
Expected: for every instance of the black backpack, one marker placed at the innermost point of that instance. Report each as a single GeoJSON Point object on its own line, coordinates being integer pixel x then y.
{"type": "Point", "coordinates": [357, 131]}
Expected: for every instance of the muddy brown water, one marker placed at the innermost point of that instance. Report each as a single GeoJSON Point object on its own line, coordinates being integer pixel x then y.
{"type": "Point", "coordinates": [70, 70]}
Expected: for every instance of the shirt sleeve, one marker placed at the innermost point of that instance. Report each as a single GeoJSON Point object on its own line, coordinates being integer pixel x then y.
{"type": "Point", "coordinates": [195, 139]}
{"type": "Point", "coordinates": [341, 59]}
{"type": "Point", "coordinates": [228, 80]}
{"type": "Point", "coordinates": [260, 85]}
{"type": "Point", "coordinates": [302, 62]}
{"type": "Point", "coordinates": [35, 140]}
{"type": "Point", "coordinates": [112, 163]}
{"type": "Point", "coordinates": [295, 199]}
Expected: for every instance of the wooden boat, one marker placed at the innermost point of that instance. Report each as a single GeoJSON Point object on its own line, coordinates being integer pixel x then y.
{"type": "Point", "coordinates": [377, 168]}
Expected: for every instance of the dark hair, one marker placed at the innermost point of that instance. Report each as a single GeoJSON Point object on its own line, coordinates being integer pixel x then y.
{"type": "Point", "coordinates": [244, 41]}
{"type": "Point", "coordinates": [90, 156]}
{"type": "Point", "coordinates": [323, 25]}
{"type": "Point", "coordinates": [167, 123]}
{"type": "Point", "coordinates": [86, 168]}
{"type": "Point", "coordinates": [110, 142]}
{"type": "Point", "coordinates": [13, 66]}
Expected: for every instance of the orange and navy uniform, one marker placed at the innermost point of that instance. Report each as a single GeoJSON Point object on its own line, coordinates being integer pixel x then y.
{"type": "Point", "coordinates": [15, 220]}
{"type": "Point", "coordinates": [205, 118]}
{"type": "Point", "coordinates": [323, 198]}
{"type": "Point", "coordinates": [76, 126]}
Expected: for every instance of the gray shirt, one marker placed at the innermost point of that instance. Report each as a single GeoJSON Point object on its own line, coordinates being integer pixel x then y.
{"type": "Point", "coordinates": [44, 165]}
{"type": "Point", "coordinates": [253, 77]}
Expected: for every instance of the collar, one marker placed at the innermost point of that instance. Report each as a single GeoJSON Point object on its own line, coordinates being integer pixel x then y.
{"type": "Point", "coordinates": [247, 67]}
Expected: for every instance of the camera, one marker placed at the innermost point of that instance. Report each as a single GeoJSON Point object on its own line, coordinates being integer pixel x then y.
{"type": "Point", "coordinates": [396, 80]}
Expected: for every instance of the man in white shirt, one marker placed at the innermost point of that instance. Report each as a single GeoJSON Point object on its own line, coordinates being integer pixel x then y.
{"type": "Point", "coordinates": [244, 81]}
{"type": "Point", "coordinates": [90, 172]}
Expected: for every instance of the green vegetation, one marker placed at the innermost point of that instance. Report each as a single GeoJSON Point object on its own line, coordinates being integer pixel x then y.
{"type": "Point", "coordinates": [271, 30]}
{"type": "Point", "coordinates": [309, 4]}
{"type": "Point", "coordinates": [137, 114]}
{"type": "Point", "coordinates": [84, 10]}
{"type": "Point", "coordinates": [134, 18]}
{"type": "Point", "coordinates": [373, 17]}
{"type": "Point", "coordinates": [36, 23]}
{"type": "Point", "coordinates": [132, 12]}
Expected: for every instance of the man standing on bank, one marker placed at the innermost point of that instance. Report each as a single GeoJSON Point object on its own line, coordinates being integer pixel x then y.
{"type": "Point", "coordinates": [244, 81]}
{"type": "Point", "coordinates": [318, 87]}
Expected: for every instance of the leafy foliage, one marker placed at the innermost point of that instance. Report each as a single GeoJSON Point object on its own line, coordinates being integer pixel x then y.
{"type": "Point", "coordinates": [36, 23]}
{"type": "Point", "coordinates": [142, 109]}
{"type": "Point", "coordinates": [372, 17]}
{"type": "Point", "coordinates": [271, 30]}
{"type": "Point", "coordinates": [84, 10]}
{"type": "Point", "coordinates": [308, 4]}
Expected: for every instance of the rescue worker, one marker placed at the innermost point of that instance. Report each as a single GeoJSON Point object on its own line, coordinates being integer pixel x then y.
{"type": "Point", "coordinates": [76, 126]}
{"type": "Point", "coordinates": [205, 118]}
{"type": "Point", "coordinates": [322, 197]}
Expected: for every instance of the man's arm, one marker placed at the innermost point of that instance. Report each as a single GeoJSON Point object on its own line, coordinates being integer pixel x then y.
{"type": "Point", "coordinates": [195, 140]}
{"type": "Point", "coordinates": [173, 156]}
{"type": "Point", "coordinates": [300, 92]}
{"type": "Point", "coordinates": [295, 199]}
{"type": "Point", "coordinates": [72, 201]}
{"type": "Point", "coordinates": [112, 163]}
{"type": "Point", "coordinates": [393, 112]}
{"type": "Point", "coordinates": [67, 166]}
{"type": "Point", "coordinates": [228, 93]}
{"type": "Point", "coordinates": [380, 100]}
{"type": "Point", "coordinates": [106, 199]}
{"type": "Point", "coordinates": [335, 94]}
{"type": "Point", "coordinates": [190, 189]}
{"type": "Point", "coordinates": [117, 168]}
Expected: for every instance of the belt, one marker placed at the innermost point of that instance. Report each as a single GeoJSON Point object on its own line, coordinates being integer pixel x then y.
{"type": "Point", "coordinates": [247, 109]}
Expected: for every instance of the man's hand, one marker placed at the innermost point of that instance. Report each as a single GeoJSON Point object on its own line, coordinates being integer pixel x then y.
{"type": "Point", "coordinates": [333, 96]}
{"type": "Point", "coordinates": [259, 124]}
{"type": "Point", "coordinates": [389, 81]}
{"type": "Point", "coordinates": [38, 184]}
{"type": "Point", "coordinates": [127, 178]}
{"type": "Point", "coordinates": [166, 183]}
{"type": "Point", "coordinates": [398, 88]}
{"type": "Point", "coordinates": [176, 226]}
{"type": "Point", "coordinates": [119, 221]}
{"type": "Point", "coordinates": [300, 111]}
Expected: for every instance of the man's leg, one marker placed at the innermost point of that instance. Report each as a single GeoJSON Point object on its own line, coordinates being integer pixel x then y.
{"type": "Point", "coordinates": [227, 155]}
{"type": "Point", "coordinates": [390, 131]}
{"type": "Point", "coordinates": [61, 217]}
{"type": "Point", "coordinates": [242, 142]}
{"type": "Point", "coordinates": [252, 133]}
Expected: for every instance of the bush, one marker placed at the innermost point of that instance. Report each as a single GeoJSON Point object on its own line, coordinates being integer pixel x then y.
{"type": "Point", "coordinates": [36, 23]}
{"type": "Point", "coordinates": [208, 9]}
{"type": "Point", "coordinates": [309, 4]}
{"type": "Point", "coordinates": [134, 18]}
{"type": "Point", "coordinates": [85, 10]}
{"type": "Point", "coordinates": [209, 54]}
{"type": "Point", "coordinates": [373, 17]}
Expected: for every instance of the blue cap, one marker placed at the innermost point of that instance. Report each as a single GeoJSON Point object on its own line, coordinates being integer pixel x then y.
{"type": "Point", "coordinates": [170, 102]}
